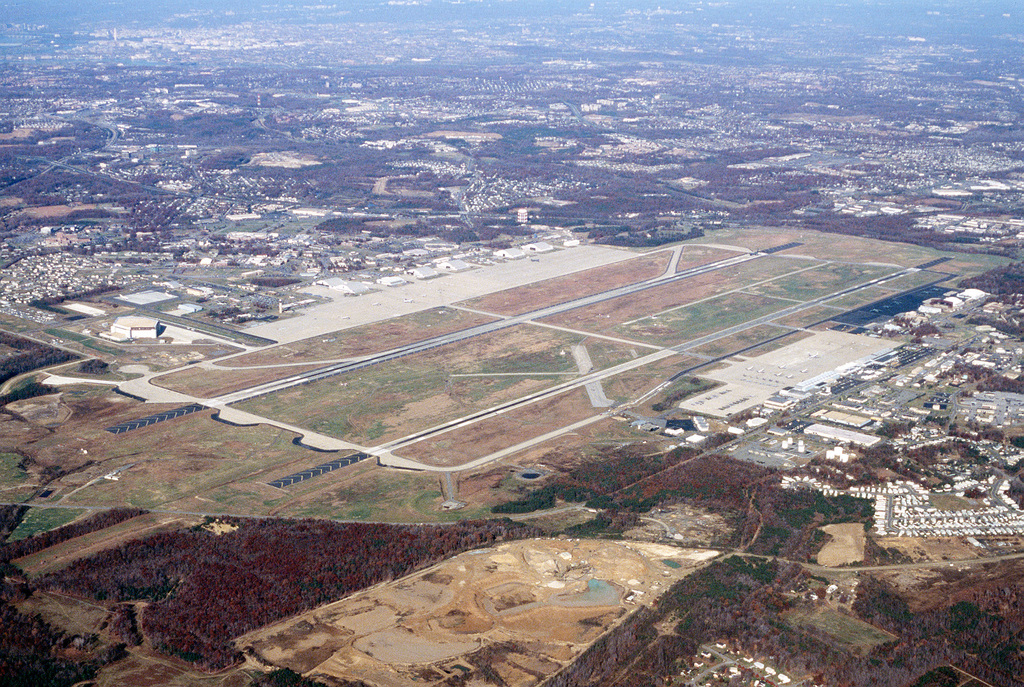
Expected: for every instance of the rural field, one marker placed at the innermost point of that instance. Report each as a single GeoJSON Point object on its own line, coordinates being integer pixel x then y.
{"type": "Point", "coordinates": [855, 635]}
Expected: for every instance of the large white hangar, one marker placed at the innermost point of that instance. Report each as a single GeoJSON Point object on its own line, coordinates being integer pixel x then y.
{"type": "Point", "coordinates": [802, 365]}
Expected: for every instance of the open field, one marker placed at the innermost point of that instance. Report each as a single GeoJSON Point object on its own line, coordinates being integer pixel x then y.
{"type": "Point", "coordinates": [463, 445]}
{"type": "Point", "coordinates": [696, 254]}
{"type": "Point", "coordinates": [810, 316]}
{"type": "Point", "coordinates": [821, 281]}
{"type": "Point", "coordinates": [741, 340]}
{"type": "Point", "coordinates": [857, 299]}
{"type": "Point", "coordinates": [846, 545]}
{"type": "Point", "coordinates": [629, 385]}
{"type": "Point", "coordinates": [11, 476]}
{"type": "Point", "coordinates": [855, 635]}
{"type": "Point", "coordinates": [377, 494]}
{"type": "Point", "coordinates": [177, 462]}
{"type": "Point", "coordinates": [708, 316]}
{"type": "Point", "coordinates": [38, 520]}
{"type": "Point", "coordinates": [930, 549]}
{"type": "Point", "coordinates": [172, 462]}
{"type": "Point", "coordinates": [522, 610]}
{"type": "Point", "coordinates": [145, 668]}
{"type": "Point", "coordinates": [55, 211]}
{"type": "Point", "coordinates": [210, 382]}
{"type": "Point", "coordinates": [561, 289]}
{"type": "Point", "coordinates": [604, 316]}
{"type": "Point", "coordinates": [60, 555]}
{"type": "Point", "coordinates": [952, 502]}
{"type": "Point", "coordinates": [365, 339]}
{"type": "Point", "coordinates": [394, 399]}
{"type": "Point", "coordinates": [829, 246]}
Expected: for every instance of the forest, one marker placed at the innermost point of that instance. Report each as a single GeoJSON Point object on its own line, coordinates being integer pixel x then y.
{"type": "Point", "coordinates": [206, 589]}
{"type": "Point", "coordinates": [30, 355]}
{"type": "Point", "coordinates": [746, 602]}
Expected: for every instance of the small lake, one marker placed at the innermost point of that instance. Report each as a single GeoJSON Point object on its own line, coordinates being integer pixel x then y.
{"type": "Point", "coordinates": [599, 593]}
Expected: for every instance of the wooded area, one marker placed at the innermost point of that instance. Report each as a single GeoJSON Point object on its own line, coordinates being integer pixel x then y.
{"type": "Point", "coordinates": [207, 589]}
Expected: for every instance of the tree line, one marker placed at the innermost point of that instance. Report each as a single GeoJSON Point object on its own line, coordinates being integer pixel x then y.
{"type": "Point", "coordinates": [205, 589]}
{"type": "Point", "coordinates": [31, 355]}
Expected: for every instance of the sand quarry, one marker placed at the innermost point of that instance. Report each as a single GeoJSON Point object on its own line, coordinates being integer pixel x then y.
{"type": "Point", "coordinates": [521, 610]}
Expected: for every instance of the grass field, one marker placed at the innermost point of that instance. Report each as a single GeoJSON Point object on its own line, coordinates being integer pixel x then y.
{"type": "Point", "coordinates": [737, 342]}
{"type": "Point", "coordinates": [810, 316]}
{"type": "Point", "coordinates": [398, 398]}
{"type": "Point", "coordinates": [857, 299]}
{"type": "Point", "coordinates": [952, 502]}
{"type": "Point", "coordinates": [367, 339]}
{"type": "Point", "coordinates": [605, 317]}
{"type": "Point", "coordinates": [211, 382]}
{"type": "Point", "coordinates": [856, 636]}
{"type": "Point", "coordinates": [10, 474]}
{"type": "Point", "coordinates": [561, 289]}
{"type": "Point", "coordinates": [462, 445]}
{"type": "Point", "coordinates": [821, 281]}
{"type": "Point", "coordinates": [387, 496]}
{"type": "Point", "coordinates": [181, 461]}
{"type": "Point", "coordinates": [43, 520]}
{"type": "Point", "coordinates": [700, 319]}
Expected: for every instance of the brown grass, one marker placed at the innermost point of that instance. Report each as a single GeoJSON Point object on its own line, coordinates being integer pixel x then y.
{"type": "Point", "coordinates": [603, 317]}
{"type": "Point", "coordinates": [367, 339]}
{"type": "Point", "coordinates": [210, 383]}
{"type": "Point", "coordinates": [562, 289]}
{"type": "Point", "coordinates": [463, 445]}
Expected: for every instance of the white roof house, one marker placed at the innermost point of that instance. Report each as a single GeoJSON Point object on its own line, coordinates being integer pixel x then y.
{"type": "Point", "coordinates": [391, 281]}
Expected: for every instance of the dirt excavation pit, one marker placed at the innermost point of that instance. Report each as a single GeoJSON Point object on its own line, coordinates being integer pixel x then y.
{"type": "Point", "coordinates": [523, 609]}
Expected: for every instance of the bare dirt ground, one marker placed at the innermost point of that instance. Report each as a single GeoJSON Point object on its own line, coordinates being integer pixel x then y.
{"type": "Point", "coordinates": [685, 525]}
{"type": "Point", "coordinates": [51, 211]}
{"type": "Point", "coordinates": [845, 547]}
{"type": "Point", "coordinates": [521, 610]}
{"type": "Point", "coordinates": [46, 411]}
{"type": "Point", "coordinates": [561, 289]}
{"type": "Point", "coordinates": [931, 549]}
